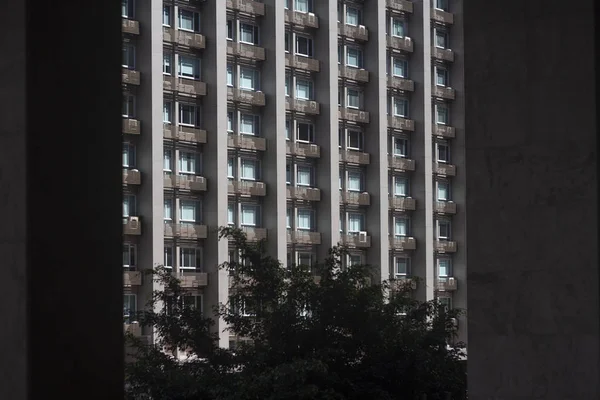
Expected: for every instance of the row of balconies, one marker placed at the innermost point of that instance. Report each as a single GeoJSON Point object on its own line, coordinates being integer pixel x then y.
{"type": "Point", "coordinates": [189, 280]}
{"type": "Point", "coordinates": [449, 284]}
{"type": "Point", "coordinates": [183, 38]}
{"type": "Point", "coordinates": [185, 182]}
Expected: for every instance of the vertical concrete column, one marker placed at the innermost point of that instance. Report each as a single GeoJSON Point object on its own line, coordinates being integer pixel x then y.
{"type": "Point", "coordinates": [422, 260]}
{"type": "Point", "coordinates": [215, 157]}
{"type": "Point", "coordinates": [326, 93]}
{"type": "Point", "coordinates": [376, 141]}
{"type": "Point", "coordinates": [273, 123]}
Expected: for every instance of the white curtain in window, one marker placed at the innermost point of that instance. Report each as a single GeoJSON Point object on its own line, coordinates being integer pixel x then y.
{"type": "Point", "coordinates": [304, 219]}
{"type": "Point", "coordinates": [230, 168]}
{"type": "Point", "coordinates": [188, 257]}
{"type": "Point", "coordinates": [167, 160]}
{"type": "Point", "coordinates": [353, 57]}
{"type": "Point", "coordinates": [187, 210]}
{"type": "Point", "coordinates": [187, 114]}
{"type": "Point", "coordinates": [401, 187]}
{"type": "Point", "coordinates": [187, 162]}
{"type": "Point", "coordinates": [400, 107]}
{"type": "Point", "coordinates": [229, 75]}
{"type": "Point", "coordinates": [248, 124]}
{"type": "Point", "coordinates": [304, 176]}
{"type": "Point", "coordinates": [288, 218]}
{"type": "Point", "coordinates": [354, 181]}
{"type": "Point", "coordinates": [167, 63]}
{"type": "Point", "coordinates": [167, 112]}
{"type": "Point", "coordinates": [166, 15]}
{"type": "Point", "coordinates": [126, 205]}
{"type": "Point", "coordinates": [440, 77]}
{"type": "Point", "coordinates": [248, 215]}
{"type": "Point", "coordinates": [398, 28]}
{"type": "Point", "coordinates": [247, 33]}
{"type": "Point", "coordinates": [443, 267]}
{"type": "Point", "coordinates": [247, 78]}
{"type": "Point", "coordinates": [168, 257]}
{"type": "Point", "coordinates": [401, 227]}
{"type": "Point", "coordinates": [442, 191]}
{"type": "Point", "coordinates": [188, 67]}
{"type": "Point", "coordinates": [302, 5]}
{"type": "Point", "coordinates": [127, 155]}
{"type": "Point", "coordinates": [230, 122]}
{"type": "Point", "coordinates": [248, 169]}
{"type": "Point", "coordinates": [303, 90]}
{"type": "Point", "coordinates": [355, 222]}
{"type": "Point", "coordinates": [168, 209]}
{"type": "Point", "coordinates": [287, 85]}
{"type": "Point", "coordinates": [400, 147]}
{"type": "Point", "coordinates": [399, 67]}
{"type": "Point", "coordinates": [441, 114]}
{"type": "Point", "coordinates": [186, 20]}
{"type": "Point", "coordinates": [401, 266]}
{"type": "Point", "coordinates": [351, 16]}
{"type": "Point", "coordinates": [230, 214]}
{"type": "Point", "coordinates": [440, 39]}
{"type": "Point", "coordinates": [353, 98]}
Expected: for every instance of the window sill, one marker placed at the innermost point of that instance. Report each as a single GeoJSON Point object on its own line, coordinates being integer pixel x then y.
{"type": "Point", "coordinates": [188, 30]}
{"type": "Point", "coordinates": [188, 125]}
{"type": "Point", "coordinates": [248, 43]}
{"type": "Point", "coordinates": [191, 78]}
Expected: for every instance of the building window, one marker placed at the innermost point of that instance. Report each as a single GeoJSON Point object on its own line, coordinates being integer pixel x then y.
{"type": "Point", "coordinates": [441, 39]}
{"type": "Point", "coordinates": [355, 222]}
{"type": "Point", "coordinates": [168, 209]}
{"type": "Point", "coordinates": [128, 106]}
{"type": "Point", "coordinates": [287, 40]}
{"type": "Point", "coordinates": [129, 308]}
{"type": "Point", "coordinates": [400, 227]}
{"type": "Point", "coordinates": [398, 27]}
{"type": "Point", "coordinates": [354, 57]}
{"type": "Point", "coordinates": [400, 107]}
{"type": "Point", "coordinates": [129, 256]}
{"type": "Point", "coordinates": [230, 121]}
{"type": "Point", "coordinates": [287, 85]}
{"type": "Point", "coordinates": [249, 169]}
{"type": "Point", "coordinates": [441, 76]}
{"type": "Point", "coordinates": [305, 132]}
{"type": "Point", "coordinates": [443, 230]}
{"type": "Point", "coordinates": [443, 152]}
{"type": "Point", "coordinates": [188, 211]}
{"type": "Point", "coordinates": [401, 265]}
{"type": "Point", "coordinates": [249, 215]}
{"type": "Point", "coordinates": [353, 97]}
{"type": "Point", "coordinates": [189, 67]}
{"type": "Point", "coordinates": [303, 5]}
{"type": "Point", "coordinates": [166, 16]}
{"type": "Point", "coordinates": [353, 16]}
{"type": "Point", "coordinates": [230, 29]}
{"type": "Point", "coordinates": [399, 67]}
{"type": "Point", "coordinates": [189, 21]}
{"type": "Point", "coordinates": [305, 259]}
{"type": "Point", "coordinates": [129, 205]}
{"type": "Point", "coordinates": [167, 64]}
{"type": "Point", "coordinates": [287, 129]}
{"type": "Point", "coordinates": [441, 5]}
{"type": "Point", "coordinates": [249, 124]}
{"type": "Point", "coordinates": [128, 155]}
{"type": "Point", "coordinates": [354, 181]}
{"type": "Point", "coordinates": [187, 162]}
{"type": "Point", "coordinates": [354, 260]}
{"type": "Point", "coordinates": [127, 8]}
{"type": "Point", "coordinates": [248, 33]}
{"type": "Point", "coordinates": [168, 257]}
{"type": "Point", "coordinates": [231, 214]}
{"type": "Point", "coordinates": [230, 75]}
{"type": "Point", "coordinates": [354, 140]}
{"type": "Point", "coordinates": [304, 89]}
{"type": "Point", "coordinates": [400, 186]}
{"type": "Point", "coordinates": [288, 173]}
{"type": "Point", "coordinates": [304, 46]}
{"type": "Point", "coordinates": [128, 56]}
{"type": "Point", "coordinates": [443, 191]}
{"type": "Point", "coordinates": [304, 219]}
{"type": "Point", "coordinates": [167, 116]}
{"type": "Point", "coordinates": [248, 78]}
{"type": "Point", "coordinates": [441, 114]}
{"type": "Point", "coordinates": [400, 147]}
{"type": "Point", "coordinates": [230, 168]}
{"type": "Point", "coordinates": [445, 302]}
{"type": "Point", "coordinates": [193, 302]}
{"type": "Point", "coordinates": [189, 258]}
{"type": "Point", "coordinates": [444, 265]}
{"type": "Point", "coordinates": [188, 114]}
{"type": "Point", "coordinates": [167, 160]}
{"type": "Point", "coordinates": [303, 175]}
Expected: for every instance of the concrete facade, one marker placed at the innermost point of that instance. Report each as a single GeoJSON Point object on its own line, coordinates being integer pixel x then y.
{"type": "Point", "coordinates": [310, 123]}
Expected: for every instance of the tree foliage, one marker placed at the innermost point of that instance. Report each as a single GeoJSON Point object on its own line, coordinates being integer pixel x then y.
{"type": "Point", "coordinates": [323, 332]}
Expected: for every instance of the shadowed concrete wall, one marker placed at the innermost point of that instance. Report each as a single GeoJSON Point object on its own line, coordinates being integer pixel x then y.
{"type": "Point", "coordinates": [532, 200]}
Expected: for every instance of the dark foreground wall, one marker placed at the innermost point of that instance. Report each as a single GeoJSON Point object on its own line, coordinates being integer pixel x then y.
{"type": "Point", "coordinates": [60, 190]}
{"type": "Point", "coordinates": [533, 305]}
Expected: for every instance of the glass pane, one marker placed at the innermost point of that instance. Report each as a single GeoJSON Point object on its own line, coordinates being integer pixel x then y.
{"type": "Point", "coordinates": [188, 211]}
{"type": "Point", "coordinates": [304, 219]}
{"type": "Point", "coordinates": [304, 176]}
{"type": "Point", "coordinates": [354, 181]}
{"type": "Point", "coordinates": [248, 215]}
{"type": "Point", "coordinates": [248, 169]}
{"type": "Point", "coordinates": [247, 78]}
{"type": "Point", "coordinates": [247, 124]}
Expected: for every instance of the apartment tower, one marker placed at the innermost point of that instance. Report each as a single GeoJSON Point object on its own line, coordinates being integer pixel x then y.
{"type": "Point", "coordinates": [305, 122]}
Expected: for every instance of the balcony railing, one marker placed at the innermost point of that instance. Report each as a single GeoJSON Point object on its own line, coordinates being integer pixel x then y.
{"type": "Point", "coordinates": [132, 177]}
{"type": "Point", "coordinates": [444, 131]}
{"type": "Point", "coordinates": [303, 237]}
{"type": "Point", "coordinates": [401, 163]}
{"type": "Point", "coordinates": [249, 188]}
{"type": "Point", "coordinates": [444, 169]}
{"type": "Point", "coordinates": [134, 328]}
{"type": "Point", "coordinates": [401, 243]}
{"type": "Point", "coordinates": [355, 198]}
{"type": "Point", "coordinates": [184, 86]}
{"type": "Point", "coordinates": [130, 26]}
{"type": "Point", "coordinates": [131, 126]}
{"type": "Point", "coordinates": [132, 278]}
{"type": "Point", "coordinates": [303, 106]}
{"type": "Point", "coordinates": [192, 280]}
{"type": "Point", "coordinates": [444, 92]}
{"type": "Point", "coordinates": [303, 149]}
{"type": "Point", "coordinates": [132, 226]}
{"type": "Point", "coordinates": [308, 20]}
{"type": "Point", "coordinates": [245, 50]}
{"type": "Point", "coordinates": [442, 54]}
{"type": "Point", "coordinates": [400, 43]}
{"type": "Point", "coordinates": [449, 284]}
{"type": "Point", "coordinates": [184, 133]}
{"type": "Point", "coordinates": [299, 62]}
{"type": "Point", "coordinates": [402, 283]}
{"type": "Point", "coordinates": [441, 16]}
{"type": "Point", "coordinates": [400, 5]}
{"type": "Point", "coordinates": [190, 182]}
{"type": "Point", "coordinates": [444, 207]}
{"type": "Point", "coordinates": [354, 115]}
{"type": "Point", "coordinates": [356, 74]}
{"type": "Point", "coordinates": [254, 234]}
{"type": "Point", "coordinates": [130, 76]}
{"type": "Point", "coordinates": [303, 193]}
{"type": "Point", "coordinates": [185, 230]}
{"type": "Point", "coordinates": [403, 203]}
{"type": "Point", "coordinates": [445, 246]}
{"type": "Point", "coordinates": [401, 123]}
{"type": "Point", "coordinates": [255, 98]}
{"type": "Point", "coordinates": [359, 32]}
{"type": "Point", "coordinates": [247, 7]}
{"type": "Point", "coordinates": [184, 38]}
{"type": "Point", "coordinates": [247, 142]}
{"type": "Point", "coordinates": [355, 157]}
{"type": "Point", "coordinates": [396, 82]}
{"type": "Point", "coordinates": [356, 240]}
